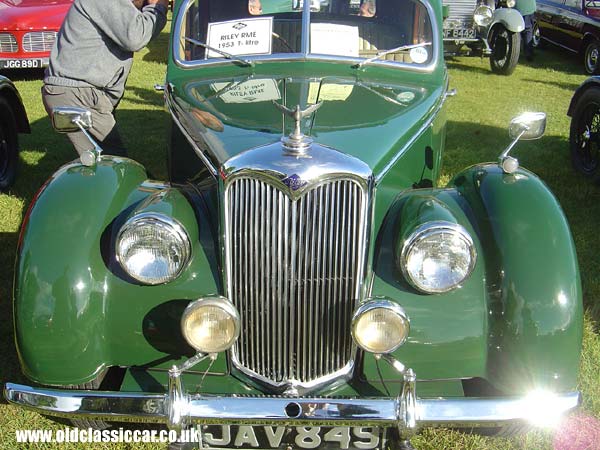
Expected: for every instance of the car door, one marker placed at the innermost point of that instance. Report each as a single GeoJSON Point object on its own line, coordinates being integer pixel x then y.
{"type": "Point", "coordinates": [570, 24]}
{"type": "Point", "coordinates": [549, 13]}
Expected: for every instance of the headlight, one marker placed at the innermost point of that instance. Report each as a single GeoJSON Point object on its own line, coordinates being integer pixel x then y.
{"type": "Point", "coordinates": [483, 15]}
{"type": "Point", "coordinates": [380, 326]}
{"type": "Point", "coordinates": [211, 324]}
{"type": "Point", "coordinates": [153, 248]}
{"type": "Point", "coordinates": [511, 3]}
{"type": "Point", "coordinates": [438, 257]}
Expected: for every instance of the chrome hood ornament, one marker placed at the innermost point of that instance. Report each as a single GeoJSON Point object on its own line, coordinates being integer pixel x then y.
{"type": "Point", "coordinates": [297, 142]}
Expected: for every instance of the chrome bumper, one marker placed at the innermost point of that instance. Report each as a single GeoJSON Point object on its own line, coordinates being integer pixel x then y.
{"type": "Point", "coordinates": [177, 409]}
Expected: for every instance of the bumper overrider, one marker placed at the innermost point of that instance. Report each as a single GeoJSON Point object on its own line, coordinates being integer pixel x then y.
{"type": "Point", "coordinates": [178, 410]}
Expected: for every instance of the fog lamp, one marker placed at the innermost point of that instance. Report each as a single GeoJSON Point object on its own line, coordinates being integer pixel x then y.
{"type": "Point", "coordinates": [210, 324]}
{"type": "Point", "coordinates": [483, 15]}
{"type": "Point", "coordinates": [380, 326]}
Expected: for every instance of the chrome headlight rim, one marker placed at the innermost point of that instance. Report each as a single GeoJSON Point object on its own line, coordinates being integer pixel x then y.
{"type": "Point", "coordinates": [428, 229]}
{"type": "Point", "coordinates": [215, 301]}
{"type": "Point", "coordinates": [162, 221]}
{"type": "Point", "coordinates": [379, 303]}
{"type": "Point", "coordinates": [485, 12]}
{"type": "Point", "coordinates": [511, 3]}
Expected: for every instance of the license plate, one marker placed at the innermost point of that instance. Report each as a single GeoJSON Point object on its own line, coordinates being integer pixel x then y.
{"type": "Point", "coordinates": [265, 437]}
{"type": "Point", "coordinates": [21, 63]}
{"type": "Point", "coordinates": [459, 33]}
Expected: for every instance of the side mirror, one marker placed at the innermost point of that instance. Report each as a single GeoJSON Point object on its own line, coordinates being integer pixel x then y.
{"type": "Point", "coordinates": [68, 120]}
{"type": "Point", "coordinates": [528, 126]}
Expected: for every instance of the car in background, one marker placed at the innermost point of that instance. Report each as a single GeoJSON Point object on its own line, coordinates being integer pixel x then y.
{"type": "Point", "coordinates": [489, 27]}
{"type": "Point", "coordinates": [28, 30]}
{"type": "Point", "coordinates": [584, 137]}
{"type": "Point", "coordinates": [13, 120]}
{"type": "Point", "coordinates": [573, 25]}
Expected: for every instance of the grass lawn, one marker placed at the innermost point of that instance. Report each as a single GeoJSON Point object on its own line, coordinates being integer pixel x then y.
{"type": "Point", "coordinates": [477, 131]}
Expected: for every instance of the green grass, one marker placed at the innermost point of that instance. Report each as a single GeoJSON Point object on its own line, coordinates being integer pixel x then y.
{"type": "Point", "coordinates": [477, 131]}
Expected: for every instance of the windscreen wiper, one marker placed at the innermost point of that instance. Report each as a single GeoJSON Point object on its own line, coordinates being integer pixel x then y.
{"type": "Point", "coordinates": [386, 52]}
{"type": "Point", "coordinates": [220, 52]}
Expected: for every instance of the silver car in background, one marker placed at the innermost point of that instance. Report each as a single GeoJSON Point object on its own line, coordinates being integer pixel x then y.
{"type": "Point", "coordinates": [485, 27]}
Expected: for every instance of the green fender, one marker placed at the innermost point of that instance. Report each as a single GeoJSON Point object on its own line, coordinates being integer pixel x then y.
{"type": "Point", "coordinates": [517, 320]}
{"type": "Point", "coordinates": [532, 276]}
{"type": "Point", "coordinates": [448, 332]}
{"type": "Point", "coordinates": [75, 313]}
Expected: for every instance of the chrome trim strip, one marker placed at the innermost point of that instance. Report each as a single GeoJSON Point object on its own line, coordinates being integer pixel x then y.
{"type": "Point", "coordinates": [171, 105]}
{"type": "Point", "coordinates": [158, 408]}
{"type": "Point", "coordinates": [289, 57]}
{"type": "Point", "coordinates": [305, 46]}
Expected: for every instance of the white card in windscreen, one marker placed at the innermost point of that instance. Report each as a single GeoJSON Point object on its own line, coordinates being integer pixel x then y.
{"type": "Point", "coordinates": [241, 37]}
{"type": "Point", "coordinates": [333, 39]}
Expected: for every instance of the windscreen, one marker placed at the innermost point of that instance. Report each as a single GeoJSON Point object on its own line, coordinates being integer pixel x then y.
{"type": "Point", "coordinates": [393, 30]}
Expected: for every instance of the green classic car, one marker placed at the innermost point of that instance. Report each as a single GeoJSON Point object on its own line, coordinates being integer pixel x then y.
{"type": "Point", "coordinates": [301, 278]}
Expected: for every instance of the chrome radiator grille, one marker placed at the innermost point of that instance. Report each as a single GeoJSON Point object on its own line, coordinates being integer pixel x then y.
{"type": "Point", "coordinates": [39, 41]}
{"type": "Point", "coordinates": [460, 11]}
{"type": "Point", "coordinates": [8, 43]}
{"type": "Point", "coordinates": [294, 274]}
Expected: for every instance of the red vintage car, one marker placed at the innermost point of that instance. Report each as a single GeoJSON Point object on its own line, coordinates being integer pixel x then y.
{"type": "Point", "coordinates": [27, 31]}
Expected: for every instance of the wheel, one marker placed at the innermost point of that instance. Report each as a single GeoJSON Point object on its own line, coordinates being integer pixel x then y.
{"type": "Point", "coordinates": [84, 424]}
{"type": "Point", "coordinates": [584, 137]}
{"type": "Point", "coordinates": [9, 145]}
{"type": "Point", "coordinates": [590, 56]}
{"type": "Point", "coordinates": [506, 46]}
{"type": "Point", "coordinates": [537, 37]}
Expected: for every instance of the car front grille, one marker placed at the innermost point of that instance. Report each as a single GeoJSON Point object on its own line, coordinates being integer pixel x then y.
{"type": "Point", "coordinates": [39, 41]}
{"type": "Point", "coordinates": [460, 13]}
{"type": "Point", "coordinates": [295, 274]}
{"type": "Point", "coordinates": [8, 43]}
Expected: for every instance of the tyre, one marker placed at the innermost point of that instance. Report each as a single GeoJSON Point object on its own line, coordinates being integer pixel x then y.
{"type": "Point", "coordinates": [84, 424]}
{"type": "Point", "coordinates": [591, 53]}
{"type": "Point", "coordinates": [505, 431]}
{"type": "Point", "coordinates": [537, 37]}
{"type": "Point", "coordinates": [506, 47]}
{"type": "Point", "coordinates": [9, 145]}
{"type": "Point", "coordinates": [584, 136]}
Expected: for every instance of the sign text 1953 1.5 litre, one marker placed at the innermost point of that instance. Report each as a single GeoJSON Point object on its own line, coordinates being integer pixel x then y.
{"type": "Point", "coordinates": [301, 279]}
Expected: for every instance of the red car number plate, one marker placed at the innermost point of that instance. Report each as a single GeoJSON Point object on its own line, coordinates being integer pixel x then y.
{"type": "Point", "coordinates": [265, 437]}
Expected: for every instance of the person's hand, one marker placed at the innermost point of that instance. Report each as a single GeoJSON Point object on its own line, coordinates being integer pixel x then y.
{"type": "Point", "coordinates": [164, 3]}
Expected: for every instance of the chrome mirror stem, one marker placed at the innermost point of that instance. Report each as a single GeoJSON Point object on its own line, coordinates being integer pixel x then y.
{"type": "Point", "coordinates": [510, 164]}
{"type": "Point", "coordinates": [88, 157]}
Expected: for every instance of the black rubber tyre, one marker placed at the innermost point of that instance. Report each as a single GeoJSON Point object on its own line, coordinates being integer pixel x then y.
{"type": "Point", "coordinates": [591, 56]}
{"type": "Point", "coordinates": [506, 431]}
{"type": "Point", "coordinates": [9, 145]}
{"type": "Point", "coordinates": [537, 41]}
{"type": "Point", "coordinates": [584, 136]}
{"type": "Point", "coordinates": [506, 47]}
{"type": "Point", "coordinates": [90, 423]}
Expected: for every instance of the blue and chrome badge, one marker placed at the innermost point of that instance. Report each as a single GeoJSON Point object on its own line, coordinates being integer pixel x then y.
{"type": "Point", "coordinates": [294, 182]}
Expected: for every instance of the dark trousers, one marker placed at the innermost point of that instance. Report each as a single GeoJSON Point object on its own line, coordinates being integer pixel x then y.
{"type": "Point", "coordinates": [527, 35]}
{"type": "Point", "coordinates": [104, 128]}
